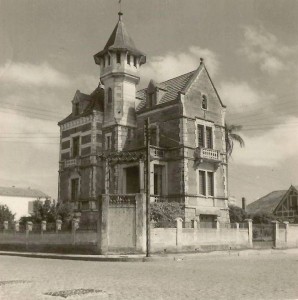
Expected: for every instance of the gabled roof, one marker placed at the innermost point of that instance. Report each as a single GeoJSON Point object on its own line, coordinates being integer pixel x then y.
{"type": "Point", "coordinates": [268, 203]}
{"type": "Point", "coordinates": [120, 40]}
{"type": "Point", "coordinates": [172, 86]}
{"type": "Point", "coordinates": [21, 192]}
{"type": "Point", "coordinates": [96, 102]}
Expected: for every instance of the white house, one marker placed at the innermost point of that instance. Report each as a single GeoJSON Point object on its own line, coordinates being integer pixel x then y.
{"type": "Point", "coordinates": [20, 200]}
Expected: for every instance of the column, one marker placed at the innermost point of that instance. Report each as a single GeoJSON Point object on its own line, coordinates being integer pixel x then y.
{"type": "Point", "coordinates": [102, 226]}
{"type": "Point", "coordinates": [249, 225]}
{"type": "Point", "coordinates": [141, 223]}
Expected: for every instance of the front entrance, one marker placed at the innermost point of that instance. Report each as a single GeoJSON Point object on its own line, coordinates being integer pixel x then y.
{"type": "Point", "coordinates": [132, 181]}
{"type": "Point", "coordinates": [262, 235]}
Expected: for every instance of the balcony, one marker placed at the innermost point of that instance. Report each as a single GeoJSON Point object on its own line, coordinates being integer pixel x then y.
{"type": "Point", "coordinates": [156, 152]}
{"type": "Point", "coordinates": [71, 162]}
{"type": "Point", "coordinates": [205, 154]}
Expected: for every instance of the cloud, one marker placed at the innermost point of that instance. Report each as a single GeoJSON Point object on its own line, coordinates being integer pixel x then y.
{"type": "Point", "coordinates": [238, 96]}
{"type": "Point", "coordinates": [161, 68]}
{"type": "Point", "coordinates": [263, 48]}
{"type": "Point", "coordinates": [271, 148]}
{"type": "Point", "coordinates": [27, 74]}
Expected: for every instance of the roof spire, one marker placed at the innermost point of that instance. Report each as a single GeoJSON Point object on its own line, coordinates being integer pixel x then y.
{"type": "Point", "coordinates": [120, 14]}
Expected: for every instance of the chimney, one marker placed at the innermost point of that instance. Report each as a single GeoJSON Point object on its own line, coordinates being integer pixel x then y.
{"type": "Point", "coordinates": [243, 203]}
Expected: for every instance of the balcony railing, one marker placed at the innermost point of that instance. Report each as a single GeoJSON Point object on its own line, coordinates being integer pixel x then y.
{"type": "Point", "coordinates": [71, 162]}
{"type": "Point", "coordinates": [207, 154]}
{"type": "Point", "coordinates": [156, 152]}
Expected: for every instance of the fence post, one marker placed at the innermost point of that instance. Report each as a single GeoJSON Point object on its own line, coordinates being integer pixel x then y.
{"type": "Point", "coordinates": [58, 225]}
{"type": "Point", "coordinates": [102, 225]}
{"type": "Point", "coordinates": [217, 230]}
{"type": "Point", "coordinates": [74, 227]}
{"type": "Point", "coordinates": [16, 227]}
{"type": "Point", "coordinates": [178, 232]}
{"type": "Point", "coordinates": [141, 222]}
{"type": "Point", "coordinates": [194, 223]}
{"type": "Point", "coordinates": [5, 226]}
{"type": "Point", "coordinates": [275, 233]}
{"type": "Point", "coordinates": [29, 225]}
{"type": "Point", "coordinates": [249, 225]}
{"type": "Point", "coordinates": [43, 227]}
{"type": "Point", "coordinates": [286, 232]}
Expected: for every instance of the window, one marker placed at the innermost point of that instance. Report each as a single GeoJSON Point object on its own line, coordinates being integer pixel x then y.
{"type": "Point", "coordinates": [209, 141]}
{"type": "Point", "coordinates": [109, 60]}
{"type": "Point", "coordinates": [210, 184]}
{"type": "Point", "coordinates": [153, 136]}
{"type": "Point", "coordinates": [151, 99]}
{"type": "Point", "coordinates": [204, 102]}
{"type": "Point", "coordinates": [128, 59]}
{"type": "Point", "coordinates": [135, 61]}
{"type": "Point", "coordinates": [202, 183]}
{"type": "Point", "coordinates": [201, 138]}
{"type": "Point", "coordinates": [77, 109]}
{"type": "Point", "coordinates": [108, 144]}
{"type": "Point", "coordinates": [110, 96]}
{"type": "Point", "coordinates": [158, 180]}
{"type": "Point", "coordinates": [205, 136]}
{"type": "Point", "coordinates": [74, 189]}
{"type": "Point", "coordinates": [118, 55]}
{"type": "Point", "coordinates": [104, 61]}
{"type": "Point", "coordinates": [76, 146]}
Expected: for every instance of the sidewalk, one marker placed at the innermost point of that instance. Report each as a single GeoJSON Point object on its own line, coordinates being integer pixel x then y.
{"type": "Point", "coordinates": [154, 257]}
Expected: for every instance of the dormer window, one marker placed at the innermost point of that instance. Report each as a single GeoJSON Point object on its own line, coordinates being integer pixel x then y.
{"type": "Point", "coordinates": [204, 102]}
{"type": "Point", "coordinates": [118, 56]}
{"type": "Point", "coordinates": [128, 59]}
{"type": "Point", "coordinates": [77, 109]}
{"type": "Point", "coordinates": [151, 99]}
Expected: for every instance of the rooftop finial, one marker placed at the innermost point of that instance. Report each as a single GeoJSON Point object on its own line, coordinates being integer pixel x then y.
{"type": "Point", "coordinates": [201, 59]}
{"type": "Point", "coordinates": [120, 14]}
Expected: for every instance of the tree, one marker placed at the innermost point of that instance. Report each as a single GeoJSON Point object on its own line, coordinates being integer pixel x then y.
{"type": "Point", "coordinates": [262, 218]}
{"type": "Point", "coordinates": [237, 214]}
{"type": "Point", "coordinates": [49, 211]}
{"type": "Point", "coordinates": [231, 136]}
{"type": "Point", "coordinates": [6, 214]}
{"type": "Point", "coordinates": [165, 213]}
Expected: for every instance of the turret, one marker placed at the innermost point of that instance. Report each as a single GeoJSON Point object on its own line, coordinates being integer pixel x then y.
{"type": "Point", "coordinates": [119, 63]}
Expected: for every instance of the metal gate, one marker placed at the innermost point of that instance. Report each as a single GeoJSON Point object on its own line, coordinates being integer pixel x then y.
{"type": "Point", "coordinates": [263, 235]}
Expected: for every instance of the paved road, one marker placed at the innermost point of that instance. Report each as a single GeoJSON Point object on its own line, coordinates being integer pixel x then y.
{"type": "Point", "coordinates": [250, 277]}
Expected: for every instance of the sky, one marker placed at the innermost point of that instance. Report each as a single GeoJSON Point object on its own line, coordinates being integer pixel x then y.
{"type": "Point", "coordinates": [250, 49]}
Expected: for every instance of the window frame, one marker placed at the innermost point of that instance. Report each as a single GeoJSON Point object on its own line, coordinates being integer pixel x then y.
{"type": "Point", "coordinates": [204, 104]}
{"type": "Point", "coordinates": [108, 141]}
{"type": "Point", "coordinates": [205, 177]}
{"type": "Point", "coordinates": [75, 146]}
{"type": "Point", "coordinates": [118, 57]}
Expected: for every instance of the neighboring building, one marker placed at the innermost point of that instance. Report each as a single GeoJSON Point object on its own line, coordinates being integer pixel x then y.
{"type": "Point", "coordinates": [103, 139]}
{"type": "Point", "coordinates": [20, 200]}
{"type": "Point", "coordinates": [282, 204]}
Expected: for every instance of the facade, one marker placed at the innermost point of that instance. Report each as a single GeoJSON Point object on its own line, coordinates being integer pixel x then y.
{"type": "Point", "coordinates": [102, 142]}
{"type": "Point", "coordinates": [282, 204]}
{"type": "Point", "coordinates": [20, 200]}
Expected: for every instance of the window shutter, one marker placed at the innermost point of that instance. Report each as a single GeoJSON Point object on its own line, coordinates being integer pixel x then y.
{"type": "Point", "coordinates": [210, 183]}
{"type": "Point", "coordinates": [202, 183]}
{"type": "Point", "coordinates": [201, 136]}
{"type": "Point", "coordinates": [209, 140]}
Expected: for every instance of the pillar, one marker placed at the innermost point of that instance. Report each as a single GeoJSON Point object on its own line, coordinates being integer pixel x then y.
{"type": "Point", "coordinates": [102, 226]}
{"type": "Point", "coordinates": [141, 176]}
{"type": "Point", "coordinates": [179, 232]}
{"type": "Point", "coordinates": [286, 232]}
{"type": "Point", "coordinates": [275, 233]}
{"type": "Point", "coordinates": [249, 225]}
{"type": "Point", "coordinates": [58, 225]}
{"type": "Point", "coordinates": [141, 222]}
{"type": "Point", "coordinates": [74, 227]}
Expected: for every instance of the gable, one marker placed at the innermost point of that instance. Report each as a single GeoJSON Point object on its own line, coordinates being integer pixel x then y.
{"type": "Point", "coordinates": [288, 201]}
{"type": "Point", "coordinates": [201, 87]}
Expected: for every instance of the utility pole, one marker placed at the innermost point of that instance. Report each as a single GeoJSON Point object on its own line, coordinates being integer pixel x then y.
{"type": "Point", "coordinates": [147, 135]}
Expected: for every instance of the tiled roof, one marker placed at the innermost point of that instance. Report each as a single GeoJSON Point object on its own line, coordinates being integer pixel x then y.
{"type": "Point", "coordinates": [267, 203]}
{"type": "Point", "coordinates": [173, 87]}
{"type": "Point", "coordinates": [96, 102]}
{"type": "Point", "coordinates": [21, 192]}
{"type": "Point", "coordinates": [120, 40]}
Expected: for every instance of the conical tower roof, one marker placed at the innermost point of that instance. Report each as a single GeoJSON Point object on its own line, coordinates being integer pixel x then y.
{"type": "Point", "coordinates": [121, 40]}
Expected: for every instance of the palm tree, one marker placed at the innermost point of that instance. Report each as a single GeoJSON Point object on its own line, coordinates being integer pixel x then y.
{"type": "Point", "coordinates": [232, 137]}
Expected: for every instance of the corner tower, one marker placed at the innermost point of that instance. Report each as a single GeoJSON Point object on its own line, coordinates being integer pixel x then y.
{"type": "Point", "coordinates": [119, 63]}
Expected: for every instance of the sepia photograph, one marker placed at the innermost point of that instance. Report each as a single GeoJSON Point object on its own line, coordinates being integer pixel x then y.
{"type": "Point", "coordinates": [148, 149]}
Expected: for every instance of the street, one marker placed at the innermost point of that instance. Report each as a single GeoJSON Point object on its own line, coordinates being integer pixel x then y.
{"type": "Point", "coordinates": [273, 276]}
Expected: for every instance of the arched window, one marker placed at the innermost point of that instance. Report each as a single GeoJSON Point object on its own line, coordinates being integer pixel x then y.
{"type": "Point", "coordinates": [118, 55]}
{"type": "Point", "coordinates": [204, 102]}
{"type": "Point", "coordinates": [110, 96]}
